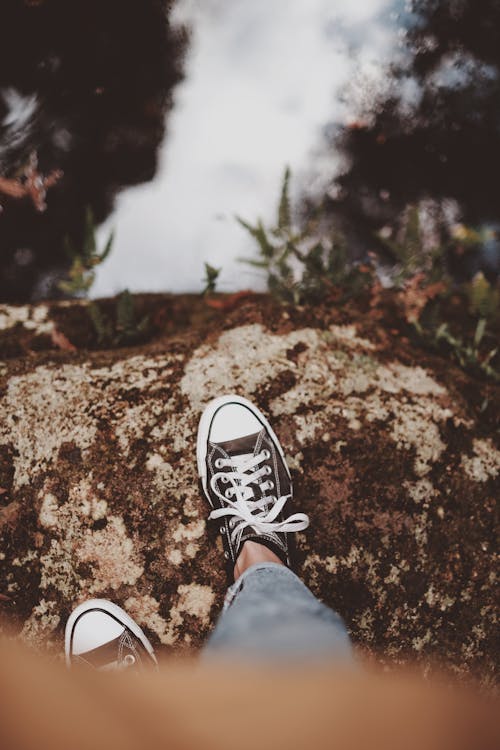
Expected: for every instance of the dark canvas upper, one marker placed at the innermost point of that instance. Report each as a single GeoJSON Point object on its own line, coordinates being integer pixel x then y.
{"type": "Point", "coordinates": [253, 445]}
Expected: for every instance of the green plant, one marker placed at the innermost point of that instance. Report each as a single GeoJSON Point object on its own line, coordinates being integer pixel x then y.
{"type": "Point", "coordinates": [475, 347]}
{"type": "Point", "coordinates": [210, 280]}
{"type": "Point", "coordinates": [424, 290]}
{"type": "Point", "coordinates": [468, 353]}
{"type": "Point", "coordinates": [303, 266]}
{"type": "Point", "coordinates": [84, 259]}
{"type": "Point", "coordinates": [411, 259]}
{"type": "Point", "coordinates": [483, 297]}
{"type": "Point", "coordinates": [124, 329]}
{"type": "Point", "coordinates": [300, 267]}
{"type": "Point", "coordinates": [102, 325]}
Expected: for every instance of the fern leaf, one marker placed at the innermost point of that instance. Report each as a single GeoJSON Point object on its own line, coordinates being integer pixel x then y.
{"type": "Point", "coordinates": [259, 234]}
{"type": "Point", "coordinates": [255, 263]}
{"type": "Point", "coordinates": [284, 213]}
{"type": "Point", "coordinates": [101, 324]}
{"type": "Point", "coordinates": [479, 332]}
{"type": "Point", "coordinates": [125, 312]}
{"type": "Point", "coordinates": [89, 243]}
{"type": "Point", "coordinates": [107, 248]}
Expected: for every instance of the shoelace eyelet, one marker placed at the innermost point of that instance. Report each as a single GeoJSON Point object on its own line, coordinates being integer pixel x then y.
{"type": "Point", "coordinates": [228, 493]}
{"type": "Point", "coordinates": [266, 454]}
{"type": "Point", "coordinates": [218, 463]}
{"type": "Point", "coordinates": [268, 469]}
{"type": "Point", "coordinates": [129, 660]}
{"type": "Point", "coordinates": [224, 479]}
{"type": "Point", "coordinates": [222, 529]}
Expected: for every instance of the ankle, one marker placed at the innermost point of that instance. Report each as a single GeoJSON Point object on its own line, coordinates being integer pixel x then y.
{"type": "Point", "coordinates": [252, 553]}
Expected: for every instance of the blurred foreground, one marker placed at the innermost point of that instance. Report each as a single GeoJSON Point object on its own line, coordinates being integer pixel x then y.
{"type": "Point", "coordinates": [188, 706]}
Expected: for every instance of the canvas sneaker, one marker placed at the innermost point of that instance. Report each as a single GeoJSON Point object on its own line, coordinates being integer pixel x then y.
{"type": "Point", "coordinates": [101, 635]}
{"type": "Point", "coordinates": [245, 478]}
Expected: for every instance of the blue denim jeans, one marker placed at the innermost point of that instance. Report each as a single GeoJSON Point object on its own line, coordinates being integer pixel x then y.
{"type": "Point", "coordinates": [269, 614]}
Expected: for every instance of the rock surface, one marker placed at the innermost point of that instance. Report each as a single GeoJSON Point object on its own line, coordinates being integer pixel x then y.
{"type": "Point", "coordinates": [394, 455]}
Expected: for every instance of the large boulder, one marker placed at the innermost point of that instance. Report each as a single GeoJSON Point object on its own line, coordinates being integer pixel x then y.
{"type": "Point", "coordinates": [392, 451]}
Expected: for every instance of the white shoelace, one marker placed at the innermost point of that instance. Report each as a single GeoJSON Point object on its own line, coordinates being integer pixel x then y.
{"type": "Point", "coordinates": [246, 511]}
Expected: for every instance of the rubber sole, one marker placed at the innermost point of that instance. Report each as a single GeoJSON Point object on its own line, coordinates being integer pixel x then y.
{"type": "Point", "coordinates": [204, 431]}
{"type": "Point", "coordinates": [116, 612]}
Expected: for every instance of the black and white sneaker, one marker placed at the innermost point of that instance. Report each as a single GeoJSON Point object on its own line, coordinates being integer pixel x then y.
{"type": "Point", "coordinates": [102, 635]}
{"type": "Point", "coordinates": [245, 478]}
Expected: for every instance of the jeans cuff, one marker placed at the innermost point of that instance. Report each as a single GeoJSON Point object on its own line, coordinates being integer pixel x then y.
{"type": "Point", "coordinates": [235, 589]}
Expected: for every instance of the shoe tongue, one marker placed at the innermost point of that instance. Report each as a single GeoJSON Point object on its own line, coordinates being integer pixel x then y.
{"type": "Point", "coordinates": [242, 446]}
{"type": "Point", "coordinates": [240, 449]}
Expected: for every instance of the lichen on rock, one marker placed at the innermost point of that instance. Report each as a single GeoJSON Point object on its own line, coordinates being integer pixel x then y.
{"type": "Point", "coordinates": [484, 464]}
{"type": "Point", "coordinates": [97, 459]}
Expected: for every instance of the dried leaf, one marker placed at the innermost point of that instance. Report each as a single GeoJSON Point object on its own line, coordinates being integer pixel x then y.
{"type": "Point", "coordinates": [61, 341]}
{"type": "Point", "coordinates": [12, 188]}
{"type": "Point", "coordinates": [31, 184]}
{"type": "Point", "coordinates": [229, 303]}
{"type": "Point", "coordinates": [415, 296]}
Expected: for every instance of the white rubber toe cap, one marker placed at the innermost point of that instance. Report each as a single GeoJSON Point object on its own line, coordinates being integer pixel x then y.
{"type": "Point", "coordinates": [232, 421]}
{"type": "Point", "coordinates": [94, 629]}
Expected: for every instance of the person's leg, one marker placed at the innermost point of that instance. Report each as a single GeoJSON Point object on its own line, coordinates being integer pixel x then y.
{"type": "Point", "coordinates": [269, 612]}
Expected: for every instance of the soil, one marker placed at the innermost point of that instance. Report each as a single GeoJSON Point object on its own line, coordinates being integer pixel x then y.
{"type": "Point", "coordinates": [394, 453]}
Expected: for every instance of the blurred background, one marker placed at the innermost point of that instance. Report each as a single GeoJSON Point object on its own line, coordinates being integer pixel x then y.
{"type": "Point", "coordinates": [162, 122]}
